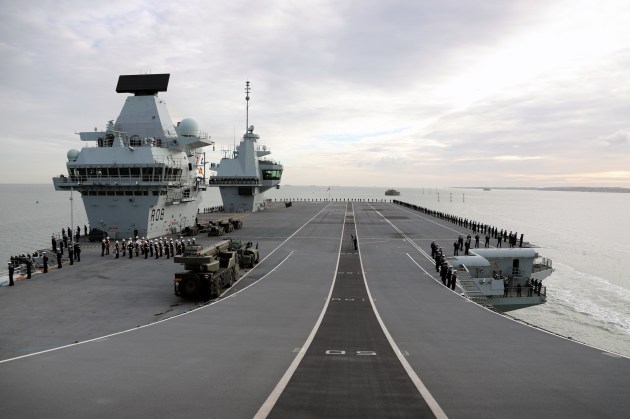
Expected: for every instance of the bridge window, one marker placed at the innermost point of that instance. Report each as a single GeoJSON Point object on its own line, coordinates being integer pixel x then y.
{"type": "Point", "coordinates": [272, 174]}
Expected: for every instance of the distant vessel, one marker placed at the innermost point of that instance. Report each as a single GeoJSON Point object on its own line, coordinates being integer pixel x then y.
{"type": "Point", "coordinates": [487, 189]}
{"type": "Point", "coordinates": [392, 192]}
{"type": "Point", "coordinates": [242, 175]}
{"type": "Point", "coordinates": [141, 177]}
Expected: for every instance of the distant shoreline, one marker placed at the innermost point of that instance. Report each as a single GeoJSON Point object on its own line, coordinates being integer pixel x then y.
{"type": "Point", "coordinates": [606, 189]}
{"type": "Point", "coordinates": [554, 188]}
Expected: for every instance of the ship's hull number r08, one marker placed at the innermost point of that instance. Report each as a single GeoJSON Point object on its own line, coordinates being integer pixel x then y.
{"type": "Point", "coordinates": [157, 214]}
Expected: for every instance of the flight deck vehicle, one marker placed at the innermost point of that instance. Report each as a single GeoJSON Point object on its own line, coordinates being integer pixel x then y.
{"type": "Point", "coordinates": [211, 269]}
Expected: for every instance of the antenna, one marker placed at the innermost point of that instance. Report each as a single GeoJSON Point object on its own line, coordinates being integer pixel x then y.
{"type": "Point", "coordinates": [247, 90]}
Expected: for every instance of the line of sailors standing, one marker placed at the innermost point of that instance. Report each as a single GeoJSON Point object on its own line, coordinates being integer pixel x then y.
{"type": "Point", "coordinates": [142, 246]}
{"type": "Point", "coordinates": [446, 271]}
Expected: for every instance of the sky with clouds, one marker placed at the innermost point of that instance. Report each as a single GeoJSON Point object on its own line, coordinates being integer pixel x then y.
{"type": "Point", "coordinates": [400, 93]}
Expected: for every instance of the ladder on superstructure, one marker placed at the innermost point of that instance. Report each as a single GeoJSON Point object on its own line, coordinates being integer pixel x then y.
{"type": "Point", "coordinates": [471, 290]}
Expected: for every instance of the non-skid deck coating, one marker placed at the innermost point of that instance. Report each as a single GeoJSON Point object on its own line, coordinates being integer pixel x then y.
{"type": "Point", "coordinates": [350, 369]}
{"type": "Point", "coordinates": [224, 360]}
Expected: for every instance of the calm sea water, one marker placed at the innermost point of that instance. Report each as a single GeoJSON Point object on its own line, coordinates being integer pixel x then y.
{"type": "Point", "coordinates": [585, 234]}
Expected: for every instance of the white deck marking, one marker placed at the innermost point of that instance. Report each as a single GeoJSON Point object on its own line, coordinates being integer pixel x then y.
{"type": "Point", "coordinates": [102, 338]}
{"type": "Point", "coordinates": [424, 391]}
{"type": "Point", "coordinates": [271, 401]}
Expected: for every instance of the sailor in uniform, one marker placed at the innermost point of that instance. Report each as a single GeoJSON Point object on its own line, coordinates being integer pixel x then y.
{"type": "Point", "coordinates": [29, 265]}
{"type": "Point", "coordinates": [102, 247]}
{"type": "Point", "coordinates": [449, 275]}
{"type": "Point", "coordinates": [453, 280]}
{"type": "Point", "coordinates": [11, 270]}
{"type": "Point", "coordinates": [45, 262]}
{"type": "Point", "coordinates": [116, 250]}
{"type": "Point", "coordinates": [77, 251]}
{"type": "Point", "coordinates": [59, 255]}
{"type": "Point", "coordinates": [71, 254]}
{"type": "Point", "coordinates": [130, 248]}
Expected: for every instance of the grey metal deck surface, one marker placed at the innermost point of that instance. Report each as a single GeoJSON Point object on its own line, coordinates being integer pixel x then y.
{"type": "Point", "coordinates": [225, 359]}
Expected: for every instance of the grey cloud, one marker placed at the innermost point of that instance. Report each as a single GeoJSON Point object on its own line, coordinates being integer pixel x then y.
{"type": "Point", "coordinates": [621, 137]}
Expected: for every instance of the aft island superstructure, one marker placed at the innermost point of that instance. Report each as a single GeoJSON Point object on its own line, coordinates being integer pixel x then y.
{"type": "Point", "coordinates": [243, 175]}
{"type": "Point", "coordinates": [139, 176]}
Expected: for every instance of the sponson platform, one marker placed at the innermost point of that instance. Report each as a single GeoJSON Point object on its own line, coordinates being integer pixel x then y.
{"type": "Point", "coordinates": [316, 329]}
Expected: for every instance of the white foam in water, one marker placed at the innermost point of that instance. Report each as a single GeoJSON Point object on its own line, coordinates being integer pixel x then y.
{"type": "Point", "coordinates": [590, 295]}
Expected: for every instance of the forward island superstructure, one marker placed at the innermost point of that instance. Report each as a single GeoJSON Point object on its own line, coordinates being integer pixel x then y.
{"type": "Point", "coordinates": [139, 176]}
{"type": "Point", "coordinates": [243, 175]}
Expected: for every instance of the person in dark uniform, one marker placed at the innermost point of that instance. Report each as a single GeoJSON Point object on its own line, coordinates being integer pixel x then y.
{"type": "Point", "coordinates": [45, 262]}
{"type": "Point", "coordinates": [11, 270]}
{"type": "Point", "coordinates": [53, 241]}
{"type": "Point", "coordinates": [77, 252]}
{"type": "Point", "coordinates": [354, 240]}
{"type": "Point", "coordinates": [71, 254]}
{"type": "Point", "coordinates": [116, 250]}
{"type": "Point", "coordinates": [102, 247]}
{"type": "Point", "coordinates": [443, 271]}
{"type": "Point", "coordinates": [453, 280]}
{"type": "Point", "coordinates": [456, 248]}
{"type": "Point", "coordinates": [449, 276]}
{"type": "Point", "coordinates": [85, 232]}
{"type": "Point", "coordinates": [130, 248]}
{"type": "Point", "coordinates": [476, 240]}
{"type": "Point", "coordinates": [59, 255]}
{"type": "Point", "coordinates": [518, 289]}
{"type": "Point", "coordinates": [29, 266]}
{"type": "Point", "coordinates": [78, 233]}
{"type": "Point", "coordinates": [167, 250]}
